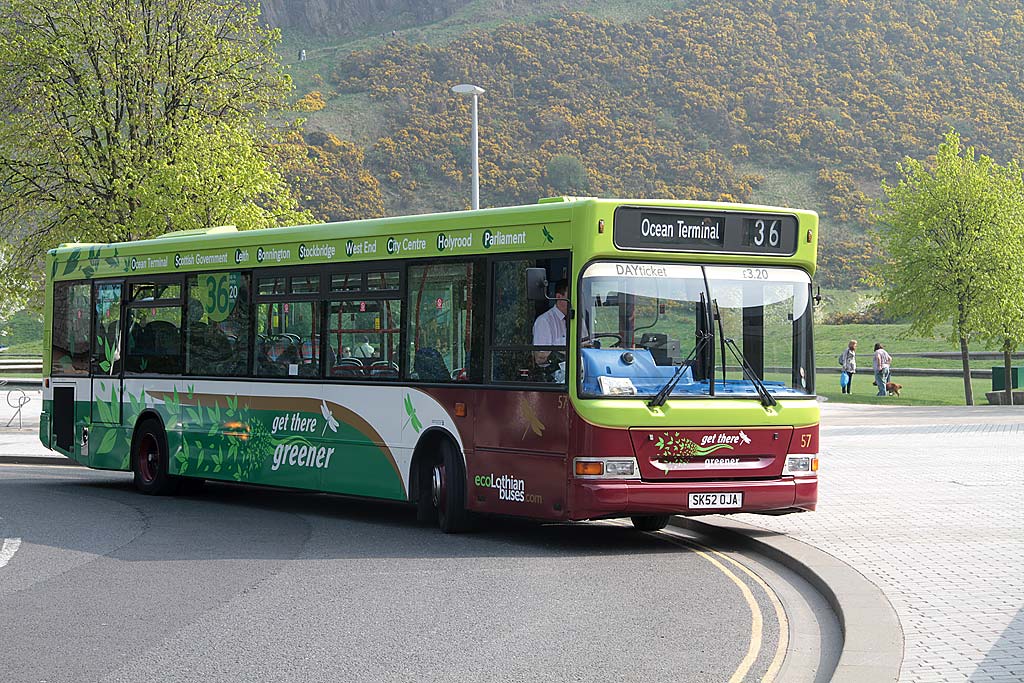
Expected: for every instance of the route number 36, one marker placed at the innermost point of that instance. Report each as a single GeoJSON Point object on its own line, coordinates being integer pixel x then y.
{"type": "Point", "coordinates": [771, 227]}
{"type": "Point", "coordinates": [218, 293]}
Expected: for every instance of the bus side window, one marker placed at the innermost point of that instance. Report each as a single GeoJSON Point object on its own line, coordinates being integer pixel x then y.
{"type": "Point", "coordinates": [364, 339]}
{"type": "Point", "coordinates": [445, 324]}
{"type": "Point", "coordinates": [515, 357]}
{"type": "Point", "coordinates": [154, 340]}
{"type": "Point", "coordinates": [72, 318]}
{"type": "Point", "coordinates": [288, 344]}
{"type": "Point", "coordinates": [106, 351]}
{"type": "Point", "coordinates": [217, 325]}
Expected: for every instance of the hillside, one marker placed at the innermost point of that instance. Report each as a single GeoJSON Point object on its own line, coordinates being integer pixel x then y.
{"type": "Point", "coordinates": [780, 101]}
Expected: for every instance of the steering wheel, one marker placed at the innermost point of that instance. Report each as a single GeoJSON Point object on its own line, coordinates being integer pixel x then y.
{"type": "Point", "coordinates": [602, 335]}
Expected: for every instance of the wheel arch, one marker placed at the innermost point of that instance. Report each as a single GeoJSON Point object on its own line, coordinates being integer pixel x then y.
{"type": "Point", "coordinates": [147, 414]}
{"type": "Point", "coordinates": [424, 451]}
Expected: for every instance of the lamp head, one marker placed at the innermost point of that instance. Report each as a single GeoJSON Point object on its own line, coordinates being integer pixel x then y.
{"type": "Point", "coordinates": [467, 89]}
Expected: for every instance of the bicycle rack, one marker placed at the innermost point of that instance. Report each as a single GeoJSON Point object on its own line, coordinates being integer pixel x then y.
{"type": "Point", "coordinates": [17, 399]}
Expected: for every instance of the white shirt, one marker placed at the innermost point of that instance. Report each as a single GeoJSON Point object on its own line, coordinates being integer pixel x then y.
{"type": "Point", "coordinates": [362, 350]}
{"type": "Point", "coordinates": [549, 328]}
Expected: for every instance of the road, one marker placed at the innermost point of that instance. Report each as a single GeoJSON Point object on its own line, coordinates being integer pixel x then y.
{"type": "Point", "coordinates": [242, 583]}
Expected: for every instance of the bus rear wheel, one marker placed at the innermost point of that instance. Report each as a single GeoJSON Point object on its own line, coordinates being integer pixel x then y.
{"type": "Point", "coordinates": [149, 460]}
{"type": "Point", "coordinates": [448, 490]}
{"type": "Point", "coordinates": [650, 522]}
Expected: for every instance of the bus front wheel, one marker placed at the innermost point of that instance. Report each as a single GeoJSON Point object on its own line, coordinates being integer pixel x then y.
{"type": "Point", "coordinates": [149, 460]}
{"type": "Point", "coordinates": [650, 522]}
{"type": "Point", "coordinates": [448, 490]}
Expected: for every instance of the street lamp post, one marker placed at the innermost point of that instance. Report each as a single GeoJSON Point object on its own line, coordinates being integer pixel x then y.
{"type": "Point", "coordinates": [475, 91]}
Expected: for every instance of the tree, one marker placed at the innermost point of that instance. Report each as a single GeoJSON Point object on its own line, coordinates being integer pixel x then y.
{"type": "Point", "coordinates": [941, 228]}
{"type": "Point", "coordinates": [567, 174]}
{"type": "Point", "coordinates": [12, 294]}
{"type": "Point", "coordinates": [125, 120]}
{"type": "Point", "coordinates": [1002, 313]}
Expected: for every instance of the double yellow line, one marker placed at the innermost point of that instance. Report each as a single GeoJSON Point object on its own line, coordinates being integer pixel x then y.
{"type": "Point", "coordinates": [720, 561]}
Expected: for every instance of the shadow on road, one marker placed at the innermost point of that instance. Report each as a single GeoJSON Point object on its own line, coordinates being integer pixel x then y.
{"type": "Point", "coordinates": [229, 521]}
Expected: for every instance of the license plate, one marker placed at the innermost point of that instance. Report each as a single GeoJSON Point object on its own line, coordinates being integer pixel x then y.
{"type": "Point", "coordinates": [732, 499]}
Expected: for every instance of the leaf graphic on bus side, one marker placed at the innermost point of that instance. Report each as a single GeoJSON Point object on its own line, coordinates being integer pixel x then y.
{"type": "Point", "coordinates": [103, 410]}
{"type": "Point", "coordinates": [72, 262]}
{"type": "Point", "coordinates": [107, 442]}
{"type": "Point", "coordinates": [137, 403]}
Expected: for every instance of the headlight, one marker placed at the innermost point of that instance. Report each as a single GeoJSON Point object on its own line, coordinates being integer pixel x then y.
{"type": "Point", "coordinates": [801, 465]}
{"type": "Point", "coordinates": [606, 468]}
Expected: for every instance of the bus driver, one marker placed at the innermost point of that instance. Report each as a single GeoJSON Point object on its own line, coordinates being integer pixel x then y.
{"type": "Point", "coordinates": [549, 329]}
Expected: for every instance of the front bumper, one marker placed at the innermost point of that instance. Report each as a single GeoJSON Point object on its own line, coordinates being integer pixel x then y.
{"type": "Point", "coordinates": [603, 499]}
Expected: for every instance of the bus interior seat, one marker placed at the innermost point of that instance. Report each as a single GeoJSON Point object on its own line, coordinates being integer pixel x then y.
{"type": "Point", "coordinates": [347, 367]}
{"type": "Point", "coordinates": [384, 368]}
{"type": "Point", "coordinates": [430, 366]}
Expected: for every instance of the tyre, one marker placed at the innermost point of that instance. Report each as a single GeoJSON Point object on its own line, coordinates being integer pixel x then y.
{"type": "Point", "coordinates": [448, 490]}
{"type": "Point", "coordinates": [426, 513]}
{"type": "Point", "coordinates": [149, 460]}
{"type": "Point", "coordinates": [650, 522]}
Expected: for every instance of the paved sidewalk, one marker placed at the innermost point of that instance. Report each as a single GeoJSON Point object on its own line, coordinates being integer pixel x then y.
{"type": "Point", "coordinates": [928, 503]}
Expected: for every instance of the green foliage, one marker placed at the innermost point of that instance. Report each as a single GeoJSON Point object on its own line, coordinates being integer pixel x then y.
{"type": "Point", "coordinates": [329, 177]}
{"type": "Point", "coordinates": [123, 121]}
{"type": "Point", "coordinates": [22, 327]}
{"type": "Point", "coordinates": [566, 174]}
{"type": "Point", "coordinates": [945, 227]}
{"type": "Point", "coordinates": [949, 235]}
{"type": "Point", "coordinates": [14, 287]}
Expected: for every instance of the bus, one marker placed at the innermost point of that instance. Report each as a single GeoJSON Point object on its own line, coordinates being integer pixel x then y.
{"type": "Point", "coordinates": [577, 359]}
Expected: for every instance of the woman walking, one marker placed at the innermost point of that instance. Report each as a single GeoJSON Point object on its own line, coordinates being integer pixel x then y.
{"type": "Point", "coordinates": [848, 363]}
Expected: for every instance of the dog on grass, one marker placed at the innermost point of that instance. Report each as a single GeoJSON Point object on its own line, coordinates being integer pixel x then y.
{"type": "Point", "coordinates": [893, 389]}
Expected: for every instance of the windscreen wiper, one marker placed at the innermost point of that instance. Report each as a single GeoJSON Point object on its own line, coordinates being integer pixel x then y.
{"type": "Point", "coordinates": [702, 341]}
{"type": "Point", "coordinates": [762, 391]}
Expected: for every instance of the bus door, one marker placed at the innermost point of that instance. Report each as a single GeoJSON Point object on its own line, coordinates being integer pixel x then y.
{"type": "Point", "coordinates": [105, 367]}
{"type": "Point", "coordinates": [521, 432]}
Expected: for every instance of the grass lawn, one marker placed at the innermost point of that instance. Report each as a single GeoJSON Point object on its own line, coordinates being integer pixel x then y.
{"type": "Point", "coordinates": [917, 391]}
{"type": "Point", "coordinates": [33, 348]}
{"type": "Point", "coordinates": [830, 340]}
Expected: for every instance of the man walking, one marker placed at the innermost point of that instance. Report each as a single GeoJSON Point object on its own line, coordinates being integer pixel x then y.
{"type": "Point", "coordinates": [882, 361]}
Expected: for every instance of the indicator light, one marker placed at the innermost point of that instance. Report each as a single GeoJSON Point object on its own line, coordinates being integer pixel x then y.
{"type": "Point", "coordinates": [591, 469]}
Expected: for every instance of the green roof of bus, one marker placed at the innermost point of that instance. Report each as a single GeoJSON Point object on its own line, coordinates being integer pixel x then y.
{"type": "Point", "coordinates": [549, 208]}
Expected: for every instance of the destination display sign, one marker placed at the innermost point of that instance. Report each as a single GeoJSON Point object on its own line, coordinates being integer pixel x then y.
{"type": "Point", "coordinates": [660, 229]}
